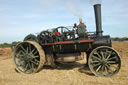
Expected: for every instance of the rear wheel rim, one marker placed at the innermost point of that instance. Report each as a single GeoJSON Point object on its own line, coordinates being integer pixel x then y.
{"type": "Point", "coordinates": [104, 61]}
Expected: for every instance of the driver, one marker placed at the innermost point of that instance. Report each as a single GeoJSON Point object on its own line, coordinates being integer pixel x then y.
{"type": "Point", "coordinates": [81, 25]}
{"type": "Point", "coordinates": [81, 30]}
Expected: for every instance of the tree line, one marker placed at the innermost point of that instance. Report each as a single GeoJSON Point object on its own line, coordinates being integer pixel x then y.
{"type": "Point", "coordinates": [119, 39]}
{"type": "Point", "coordinates": [5, 45]}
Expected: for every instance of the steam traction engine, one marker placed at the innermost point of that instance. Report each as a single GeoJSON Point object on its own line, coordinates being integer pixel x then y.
{"type": "Point", "coordinates": [67, 44]}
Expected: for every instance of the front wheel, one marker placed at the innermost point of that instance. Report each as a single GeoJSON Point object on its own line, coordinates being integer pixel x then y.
{"type": "Point", "coordinates": [104, 61]}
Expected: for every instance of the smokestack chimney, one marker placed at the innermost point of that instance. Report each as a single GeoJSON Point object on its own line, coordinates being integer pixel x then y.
{"type": "Point", "coordinates": [97, 10]}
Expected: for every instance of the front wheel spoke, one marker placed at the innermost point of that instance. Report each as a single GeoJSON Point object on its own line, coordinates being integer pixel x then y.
{"type": "Point", "coordinates": [106, 70]}
{"type": "Point", "coordinates": [98, 68]}
{"type": "Point", "coordinates": [96, 57]}
{"type": "Point", "coordinates": [95, 65]}
{"type": "Point", "coordinates": [112, 58]}
{"type": "Point", "coordinates": [97, 54]}
{"type": "Point", "coordinates": [105, 54]}
{"type": "Point", "coordinates": [111, 62]}
{"type": "Point", "coordinates": [102, 53]}
{"type": "Point", "coordinates": [102, 68]}
{"type": "Point", "coordinates": [109, 70]}
{"type": "Point", "coordinates": [94, 61]}
{"type": "Point", "coordinates": [110, 52]}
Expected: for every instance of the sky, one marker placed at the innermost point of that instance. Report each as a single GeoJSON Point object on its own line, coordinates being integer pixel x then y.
{"type": "Point", "coordinates": [19, 18]}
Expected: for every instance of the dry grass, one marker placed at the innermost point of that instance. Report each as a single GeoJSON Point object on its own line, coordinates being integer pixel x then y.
{"type": "Point", "coordinates": [73, 74]}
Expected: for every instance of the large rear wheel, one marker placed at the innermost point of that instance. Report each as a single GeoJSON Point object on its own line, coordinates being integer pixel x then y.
{"type": "Point", "coordinates": [104, 61]}
{"type": "Point", "coordinates": [29, 57]}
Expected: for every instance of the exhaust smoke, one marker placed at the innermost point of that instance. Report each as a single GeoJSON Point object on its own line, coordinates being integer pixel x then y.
{"type": "Point", "coordinates": [69, 5]}
{"type": "Point", "coordinates": [72, 6]}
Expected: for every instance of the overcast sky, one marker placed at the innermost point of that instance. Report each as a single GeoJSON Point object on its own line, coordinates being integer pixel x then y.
{"type": "Point", "coordinates": [21, 17]}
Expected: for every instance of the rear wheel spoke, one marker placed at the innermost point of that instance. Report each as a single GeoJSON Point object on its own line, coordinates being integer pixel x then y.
{"type": "Point", "coordinates": [26, 68]}
{"type": "Point", "coordinates": [33, 67]}
{"type": "Point", "coordinates": [21, 58]}
{"type": "Point", "coordinates": [35, 52]}
{"type": "Point", "coordinates": [29, 65]}
{"type": "Point", "coordinates": [32, 51]}
{"type": "Point", "coordinates": [34, 56]}
{"type": "Point", "coordinates": [29, 47]}
{"type": "Point", "coordinates": [23, 48]}
{"type": "Point", "coordinates": [37, 61]}
{"type": "Point", "coordinates": [22, 52]}
{"type": "Point", "coordinates": [27, 50]}
{"type": "Point", "coordinates": [19, 54]}
{"type": "Point", "coordinates": [34, 62]}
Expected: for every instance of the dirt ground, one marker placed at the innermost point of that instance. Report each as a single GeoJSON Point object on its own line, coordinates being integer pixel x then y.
{"type": "Point", "coordinates": [73, 74]}
{"type": "Point", "coordinates": [5, 53]}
